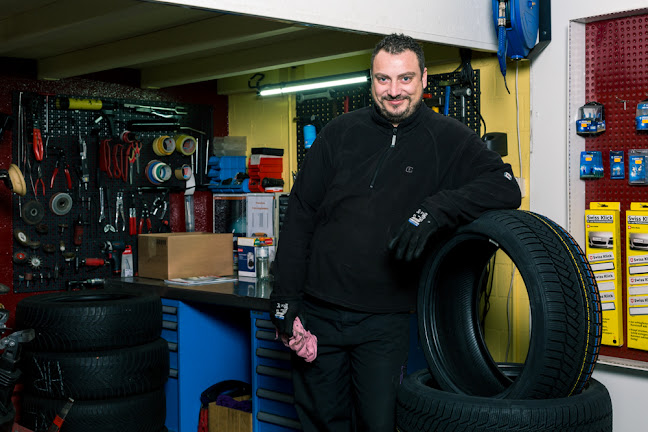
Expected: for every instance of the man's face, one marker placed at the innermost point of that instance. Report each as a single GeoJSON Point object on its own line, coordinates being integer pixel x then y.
{"type": "Point", "coordinates": [397, 85]}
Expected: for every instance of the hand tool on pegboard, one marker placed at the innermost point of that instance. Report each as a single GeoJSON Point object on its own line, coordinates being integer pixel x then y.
{"type": "Point", "coordinates": [61, 162]}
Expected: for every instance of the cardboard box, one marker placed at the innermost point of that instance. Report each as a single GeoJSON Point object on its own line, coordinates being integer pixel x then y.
{"type": "Point", "coordinates": [637, 275]}
{"type": "Point", "coordinates": [179, 255]}
{"type": "Point", "coordinates": [224, 419]}
{"type": "Point", "coordinates": [603, 249]}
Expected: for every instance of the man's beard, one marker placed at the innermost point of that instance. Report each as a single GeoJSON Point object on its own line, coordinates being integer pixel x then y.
{"type": "Point", "coordinates": [397, 118]}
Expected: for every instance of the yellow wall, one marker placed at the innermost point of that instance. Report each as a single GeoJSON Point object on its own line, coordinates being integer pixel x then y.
{"type": "Point", "coordinates": [269, 122]}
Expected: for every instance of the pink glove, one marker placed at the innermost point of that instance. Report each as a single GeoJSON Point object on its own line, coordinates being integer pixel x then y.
{"type": "Point", "coordinates": [303, 342]}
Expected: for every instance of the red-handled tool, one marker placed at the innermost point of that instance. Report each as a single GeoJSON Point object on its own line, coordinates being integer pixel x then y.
{"type": "Point", "coordinates": [60, 417]}
{"type": "Point", "coordinates": [37, 140]}
{"type": "Point", "coordinates": [61, 162]}
{"type": "Point", "coordinates": [94, 262]}
{"type": "Point", "coordinates": [146, 215]}
{"type": "Point", "coordinates": [132, 221]}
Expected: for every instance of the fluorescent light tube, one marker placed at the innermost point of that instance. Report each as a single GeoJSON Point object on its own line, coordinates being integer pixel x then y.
{"type": "Point", "coordinates": [296, 87]}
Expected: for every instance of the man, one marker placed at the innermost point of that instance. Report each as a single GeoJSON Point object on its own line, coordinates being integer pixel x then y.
{"type": "Point", "coordinates": [376, 184]}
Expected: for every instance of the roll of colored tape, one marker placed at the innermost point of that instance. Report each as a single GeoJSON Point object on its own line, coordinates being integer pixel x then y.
{"type": "Point", "coordinates": [183, 173]}
{"type": "Point", "coordinates": [150, 169]}
{"type": "Point", "coordinates": [185, 144]}
{"type": "Point", "coordinates": [163, 172]}
{"type": "Point", "coordinates": [164, 145]}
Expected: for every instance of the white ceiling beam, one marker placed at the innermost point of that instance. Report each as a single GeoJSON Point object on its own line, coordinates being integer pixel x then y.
{"type": "Point", "coordinates": [207, 34]}
{"type": "Point", "coordinates": [289, 53]}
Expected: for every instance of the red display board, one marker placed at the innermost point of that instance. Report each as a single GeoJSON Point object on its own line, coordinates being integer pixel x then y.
{"type": "Point", "coordinates": [616, 75]}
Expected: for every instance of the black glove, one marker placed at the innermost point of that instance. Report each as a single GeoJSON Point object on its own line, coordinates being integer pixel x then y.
{"type": "Point", "coordinates": [412, 236]}
{"type": "Point", "coordinates": [283, 311]}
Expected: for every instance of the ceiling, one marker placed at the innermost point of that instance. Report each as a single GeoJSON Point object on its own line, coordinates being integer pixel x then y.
{"type": "Point", "coordinates": [169, 45]}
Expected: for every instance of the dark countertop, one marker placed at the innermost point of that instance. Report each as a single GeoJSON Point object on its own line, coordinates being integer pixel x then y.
{"type": "Point", "coordinates": [246, 294]}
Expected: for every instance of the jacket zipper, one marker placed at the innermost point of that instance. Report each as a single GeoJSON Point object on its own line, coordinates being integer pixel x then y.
{"type": "Point", "coordinates": [382, 158]}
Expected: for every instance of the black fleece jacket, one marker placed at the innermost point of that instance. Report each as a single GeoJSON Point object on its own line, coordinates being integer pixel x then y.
{"type": "Point", "coordinates": [361, 179]}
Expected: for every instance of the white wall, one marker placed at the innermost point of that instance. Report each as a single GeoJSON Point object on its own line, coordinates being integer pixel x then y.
{"type": "Point", "coordinates": [465, 23]}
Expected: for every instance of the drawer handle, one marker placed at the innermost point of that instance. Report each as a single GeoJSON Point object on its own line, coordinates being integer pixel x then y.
{"type": "Point", "coordinates": [276, 396]}
{"type": "Point", "coordinates": [170, 325]}
{"type": "Point", "coordinates": [278, 420]}
{"type": "Point", "coordinates": [273, 354]}
{"type": "Point", "coordinates": [265, 335]}
{"type": "Point", "coordinates": [261, 323]}
{"type": "Point", "coordinates": [171, 310]}
{"type": "Point", "coordinates": [274, 372]}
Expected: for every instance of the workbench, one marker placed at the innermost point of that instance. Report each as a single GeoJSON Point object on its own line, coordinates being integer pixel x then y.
{"type": "Point", "coordinates": [222, 332]}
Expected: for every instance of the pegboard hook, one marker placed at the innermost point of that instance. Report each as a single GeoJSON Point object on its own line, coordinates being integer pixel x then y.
{"type": "Point", "coordinates": [622, 101]}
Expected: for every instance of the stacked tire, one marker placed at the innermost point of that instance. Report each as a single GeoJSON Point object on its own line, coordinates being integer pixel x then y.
{"type": "Point", "coordinates": [103, 350]}
{"type": "Point", "coordinates": [464, 389]}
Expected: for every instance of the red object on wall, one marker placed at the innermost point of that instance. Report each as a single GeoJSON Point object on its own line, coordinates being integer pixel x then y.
{"type": "Point", "coordinates": [616, 65]}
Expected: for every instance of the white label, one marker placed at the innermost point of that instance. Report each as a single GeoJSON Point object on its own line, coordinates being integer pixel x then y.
{"type": "Point", "coordinates": [604, 276]}
{"type": "Point", "coordinates": [637, 290]}
{"type": "Point", "coordinates": [637, 259]}
{"type": "Point", "coordinates": [606, 286]}
{"type": "Point", "coordinates": [603, 256]}
{"type": "Point", "coordinates": [638, 310]}
{"type": "Point", "coordinates": [607, 306]}
{"type": "Point", "coordinates": [636, 280]}
{"type": "Point", "coordinates": [592, 218]}
{"type": "Point", "coordinates": [636, 219]}
{"type": "Point", "coordinates": [638, 269]}
{"type": "Point", "coordinates": [602, 266]}
{"type": "Point", "coordinates": [638, 300]}
{"type": "Point", "coordinates": [607, 296]}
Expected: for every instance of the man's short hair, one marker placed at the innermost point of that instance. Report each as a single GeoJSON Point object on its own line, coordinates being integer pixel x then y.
{"type": "Point", "coordinates": [398, 43]}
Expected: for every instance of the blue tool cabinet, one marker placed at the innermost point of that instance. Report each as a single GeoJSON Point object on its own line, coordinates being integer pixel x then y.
{"type": "Point", "coordinates": [208, 344]}
{"type": "Point", "coordinates": [272, 398]}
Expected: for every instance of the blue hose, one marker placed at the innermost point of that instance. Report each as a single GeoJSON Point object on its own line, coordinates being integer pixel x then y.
{"type": "Point", "coordinates": [501, 49]}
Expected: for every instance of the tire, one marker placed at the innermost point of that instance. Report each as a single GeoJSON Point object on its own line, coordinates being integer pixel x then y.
{"type": "Point", "coordinates": [422, 407]}
{"type": "Point", "coordinates": [97, 374]}
{"type": "Point", "coordinates": [89, 320]}
{"type": "Point", "coordinates": [140, 413]}
{"type": "Point", "coordinates": [565, 307]}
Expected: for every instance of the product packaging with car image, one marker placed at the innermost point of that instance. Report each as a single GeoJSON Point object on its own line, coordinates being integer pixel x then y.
{"type": "Point", "coordinates": [637, 275]}
{"type": "Point", "coordinates": [603, 231]}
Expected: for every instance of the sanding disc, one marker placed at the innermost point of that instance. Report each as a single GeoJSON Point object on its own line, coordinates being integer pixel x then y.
{"type": "Point", "coordinates": [21, 237]}
{"type": "Point", "coordinates": [60, 203]}
{"type": "Point", "coordinates": [33, 212]}
{"type": "Point", "coordinates": [17, 180]}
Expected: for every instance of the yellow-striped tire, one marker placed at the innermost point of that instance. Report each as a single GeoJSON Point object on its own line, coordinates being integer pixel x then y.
{"type": "Point", "coordinates": [565, 308]}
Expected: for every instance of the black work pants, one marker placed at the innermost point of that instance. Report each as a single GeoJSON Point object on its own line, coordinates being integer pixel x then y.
{"type": "Point", "coordinates": [361, 360]}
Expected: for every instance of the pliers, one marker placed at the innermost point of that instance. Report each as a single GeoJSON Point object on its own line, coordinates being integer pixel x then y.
{"type": "Point", "coordinates": [145, 215]}
{"type": "Point", "coordinates": [39, 179]}
{"type": "Point", "coordinates": [60, 161]}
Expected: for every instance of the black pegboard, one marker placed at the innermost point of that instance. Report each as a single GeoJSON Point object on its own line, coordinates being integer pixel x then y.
{"type": "Point", "coordinates": [61, 129]}
{"type": "Point", "coordinates": [320, 110]}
